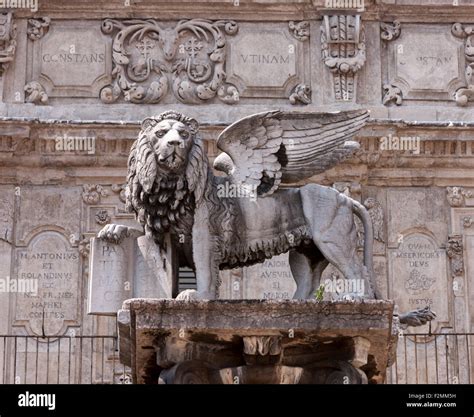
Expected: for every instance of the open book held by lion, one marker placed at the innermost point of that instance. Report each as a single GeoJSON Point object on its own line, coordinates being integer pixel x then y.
{"type": "Point", "coordinates": [246, 216]}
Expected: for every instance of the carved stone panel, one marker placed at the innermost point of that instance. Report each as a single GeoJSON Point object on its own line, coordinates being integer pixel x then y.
{"type": "Point", "coordinates": [71, 60]}
{"type": "Point", "coordinates": [50, 262]}
{"type": "Point", "coordinates": [271, 280]}
{"type": "Point", "coordinates": [425, 62]}
{"type": "Point", "coordinates": [419, 277]}
{"type": "Point", "coordinates": [267, 61]}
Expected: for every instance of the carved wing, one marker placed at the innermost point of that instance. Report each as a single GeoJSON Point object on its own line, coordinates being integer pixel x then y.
{"type": "Point", "coordinates": [270, 148]}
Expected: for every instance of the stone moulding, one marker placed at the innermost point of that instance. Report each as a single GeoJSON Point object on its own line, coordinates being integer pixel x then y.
{"type": "Point", "coordinates": [463, 95]}
{"type": "Point", "coordinates": [7, 41]}
{"type": "Point", "coordinates": [343, 51]}
{"type": "Point", "coordinates": [150, 59]}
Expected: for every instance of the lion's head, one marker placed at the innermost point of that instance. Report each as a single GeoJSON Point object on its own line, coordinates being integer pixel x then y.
{"type": "Point", "coordinates": [171, 135]}
{"type": "Point", "coordinates": [167, 173]}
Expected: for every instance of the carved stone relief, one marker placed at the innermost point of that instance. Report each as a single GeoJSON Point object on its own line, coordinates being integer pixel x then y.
{"type": "Point", "coordinates": [464, 94]}
{"type": "Point", "coordinates": [301, 95]}
{"type": "Point", "coordinates": [390, 31]}
{"type": "Point", "coordinates": [150, 59]}
{"type": "Point", "coordinates": [7, 41]}
{"type": "Point", "coordinates": [35, 93]}
{"type": "Point", "coordinates": [37, 28]}
{"type": "Point", "coordinates": [92, 192]}
{"type": "Point", "coordinates": [392, 94]}
{"type": "Point", "coordinates": [456, 196]}
{"type": "Point", "coordinates": [300, 30]}
{"type": "Point", "coordinates": [454, 250]}
{"type": "Point", "coordinates": [343, 51]}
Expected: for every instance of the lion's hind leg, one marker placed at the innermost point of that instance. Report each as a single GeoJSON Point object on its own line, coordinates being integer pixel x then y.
{"type": "Point", "coordinates": [307, 273]}
{"type": "Point", "coordinates": [330, 217]}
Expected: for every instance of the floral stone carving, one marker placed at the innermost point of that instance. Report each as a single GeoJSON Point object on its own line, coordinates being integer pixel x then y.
{"type": "Point", "coordinates": [91, 193]}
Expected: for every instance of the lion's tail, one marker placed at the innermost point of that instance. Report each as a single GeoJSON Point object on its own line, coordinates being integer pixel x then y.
{"type": "Point", "coordinates": [363, 215]}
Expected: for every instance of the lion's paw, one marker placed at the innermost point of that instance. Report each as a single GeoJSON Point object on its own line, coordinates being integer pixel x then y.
{"type": "Point", "coordinates": [188, 295]}
{"type": "Point", "coordinates": [113, 233]}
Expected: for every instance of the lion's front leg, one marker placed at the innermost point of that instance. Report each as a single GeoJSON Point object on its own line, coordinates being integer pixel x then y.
{"type": "Point", "coordinates": [115, 233]}
{"type": "Point", "coordinates": [205, 257]}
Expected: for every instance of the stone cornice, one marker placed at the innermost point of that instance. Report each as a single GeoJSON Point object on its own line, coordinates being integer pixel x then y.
{"type": "Point", "coordinates": [28, 154]}
{"type": "Point", "coordinates": [119, 124]}
{"type": "Point", "coordinates": [418, 11]}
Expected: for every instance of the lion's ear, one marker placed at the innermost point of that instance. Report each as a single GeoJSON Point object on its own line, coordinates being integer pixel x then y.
{"type": "Point", "coordinates": [149, 122]}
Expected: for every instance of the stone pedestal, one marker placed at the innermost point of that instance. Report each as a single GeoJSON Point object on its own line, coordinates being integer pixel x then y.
{"type": "Point", "coordinates": [257, 341]}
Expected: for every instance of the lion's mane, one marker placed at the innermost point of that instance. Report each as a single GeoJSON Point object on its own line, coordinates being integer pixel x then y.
{"type": "Point", "coordinates": [165, 202]}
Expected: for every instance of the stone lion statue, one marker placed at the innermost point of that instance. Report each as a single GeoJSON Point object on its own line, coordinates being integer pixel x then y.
{"type": "Point", "coordinates": [244, 217]}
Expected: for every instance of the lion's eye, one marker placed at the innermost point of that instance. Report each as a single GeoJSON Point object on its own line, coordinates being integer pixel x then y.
{"type": "Point", "coordinates": [160, 133]}
{"type": "Point", "coordinates": [184, 134]}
